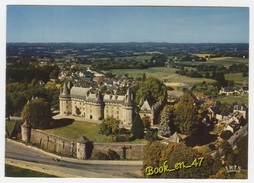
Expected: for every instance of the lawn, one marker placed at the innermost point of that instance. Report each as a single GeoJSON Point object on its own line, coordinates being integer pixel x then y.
{"type": "Point", "coordinates": [91, 130]}
{"type": "Point", "coordinates": [12, 171]}
{"type": "Point", "coordinates": [79, 128]}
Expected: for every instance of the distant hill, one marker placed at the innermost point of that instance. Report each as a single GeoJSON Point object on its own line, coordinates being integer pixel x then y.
{"type": "Point", "coordinates": [102, 50]}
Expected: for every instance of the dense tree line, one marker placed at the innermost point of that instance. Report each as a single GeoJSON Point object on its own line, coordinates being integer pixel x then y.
{"type": "Point", "coordinates": [26, 72]}
{"type": "Point", "coordinates": [157, 60]}
{"type": "Point", "coordinates": [119, 64]}
{"type": "Point", "coordinates": [17, 95]}
{"type": "Point", "coordinates": [234, 68]}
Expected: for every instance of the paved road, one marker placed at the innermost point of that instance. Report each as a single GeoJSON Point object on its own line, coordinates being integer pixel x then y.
{"type": "Point", "coordinates": [69, 167]}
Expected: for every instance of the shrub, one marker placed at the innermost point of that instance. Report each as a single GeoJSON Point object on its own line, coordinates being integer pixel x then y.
{"type": "Point", "coordinates": [105, 129]}
{"type": "Point", "coordinates": [122, 138]}
{"type": "Point", "coordinates": [109, 126]}
{"type": "Point", "coordinates": [112, 155]}
{"type": "Point", "coordinates": [112, 138]}
{"type": "Point", "coordinates": [123, 131]}
{"type": "Point", "coordinates": [226, 134]}
{"type": "Point", "coordinates": [101, 156]}
{"type": "Point", "coordinates": [151, 135]}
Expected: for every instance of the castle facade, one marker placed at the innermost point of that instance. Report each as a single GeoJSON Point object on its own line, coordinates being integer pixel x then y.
{"type": "Point", "coordinates": [79, 101]}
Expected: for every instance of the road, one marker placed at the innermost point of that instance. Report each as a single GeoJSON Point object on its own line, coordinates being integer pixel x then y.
{"type": "Point", "coordinates": [32, 158]}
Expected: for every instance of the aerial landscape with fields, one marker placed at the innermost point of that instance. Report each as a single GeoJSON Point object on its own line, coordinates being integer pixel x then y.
{"type": "Point", "coordinates": [130, 108]}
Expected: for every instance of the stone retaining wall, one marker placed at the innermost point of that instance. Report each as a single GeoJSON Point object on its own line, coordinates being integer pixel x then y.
{"type": "Point", "coordinates": [68, 147]}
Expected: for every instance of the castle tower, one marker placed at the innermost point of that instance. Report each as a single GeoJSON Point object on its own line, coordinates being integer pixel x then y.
{"type": "Point", "coordinates": [127, 108]}
{"type": "Point", "coordinates": [65, 100]}
{"type": "Point", "coordinates": [98, 106]}
{"type": "Point", "coordinates": [26, 131]}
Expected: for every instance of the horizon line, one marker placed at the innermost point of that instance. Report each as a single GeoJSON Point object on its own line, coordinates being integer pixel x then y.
{"type": "Point", "coordinates": [124, 42]}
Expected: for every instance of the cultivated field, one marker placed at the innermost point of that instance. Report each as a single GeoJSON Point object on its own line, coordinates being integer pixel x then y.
{"type": "Point", "coordinates": [165, 74]}
{"type": "Point", "coordinates": [222, 61]}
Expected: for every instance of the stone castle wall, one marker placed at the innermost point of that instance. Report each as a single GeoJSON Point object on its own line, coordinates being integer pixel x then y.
{"type": "Point", "coordinates": [54, 143]}
{"type": "Point", "coordinates": [67, 147]}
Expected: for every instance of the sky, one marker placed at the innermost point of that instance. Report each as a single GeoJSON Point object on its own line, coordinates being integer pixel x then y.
{"type": "Point", "coordinates": [100, 24]}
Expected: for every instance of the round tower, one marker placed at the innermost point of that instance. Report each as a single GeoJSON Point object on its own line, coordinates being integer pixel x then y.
{"type": "Point", "coordinates": [65, 100]}
{"type": "Point", "coordinates": [26, 131]}
{"type": "Point", "coordinates": [98, 107]}
{"type": "Point", "coordinates": [127, 108]}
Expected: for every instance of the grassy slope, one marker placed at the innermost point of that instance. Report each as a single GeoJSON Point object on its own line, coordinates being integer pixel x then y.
{"type": "Point", "coordinates": [79, 128]}
{"type": "Point", "coordinates": [88, 129]}
{"type": "Point", "coordinates": [12, 171]}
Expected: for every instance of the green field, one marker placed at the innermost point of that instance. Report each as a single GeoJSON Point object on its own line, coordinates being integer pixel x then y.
{"type": "Point", "coordinates": [80, 128]}
{"type": "Point", "coordinates": [165, 74]}
{"type": "Point", "coordinates": [222, 61]}
{"type": "Point", "coordinates": [12, 171]}
{"type": "Point", "coordinates": [139, 58]}
{"type": "Point", "coordinates": [231, 99]}
{"type": "Point", "coordinates": [237, 78]}
{"type": "Point", "coordinates": [226, 61]}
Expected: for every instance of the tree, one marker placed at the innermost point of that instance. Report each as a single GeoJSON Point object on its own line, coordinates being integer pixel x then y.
{"type": "Point", "coordinates": [151, 87]}
{"type": "Point", "coordinates": [109, 126]}
{"type": "Point", "coordinates": [187, 118]}
{"type": "Point", "coordinates": [8, 107]}
{"type": "Point", "coordinates": [54, 74]}
{"type": "Point", "coordinates": [137, 128]}
{"type": "Point", "coordinates": [166, 120]}
{"type": "Point", "coordinates": [242, 155]}
{"type": "Point", "coordinates": [177, 156]}
{"type": "Point", "coordinates": [226, 134]}
{"type": "Point", "coordinates": [151, 155]}
{"type": "Point", "coordinates": [37, 113]}
{"type": "Point", "coordinates": [146, 120]}
{"type": "Point", "coordinates": [227, 152]}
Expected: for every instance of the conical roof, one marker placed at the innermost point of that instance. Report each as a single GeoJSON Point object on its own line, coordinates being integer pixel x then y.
{"type": "Point", "coordinates": [83, 139]}
{"type": "Point", "coordinates": [66, 91]}
{"type": "Point", "coordinates": [128, 99]}
{"type": "Point", "coordinates": [25, 124]}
